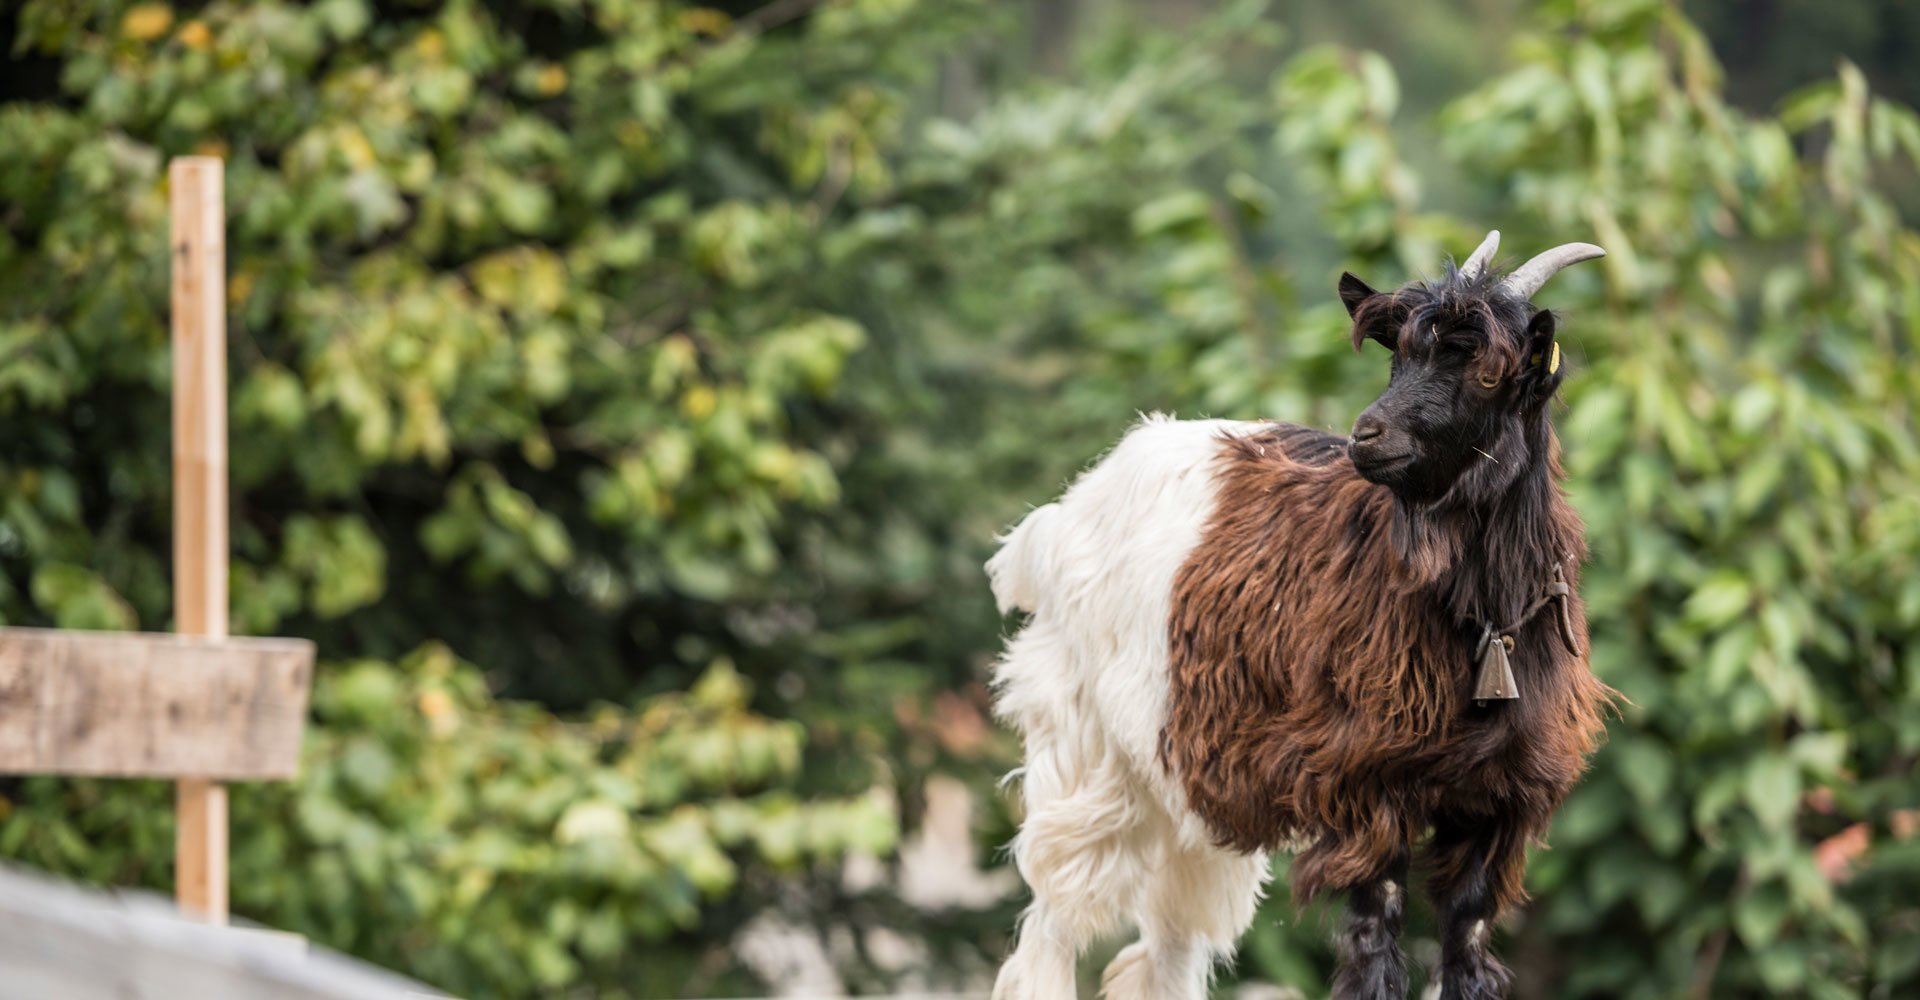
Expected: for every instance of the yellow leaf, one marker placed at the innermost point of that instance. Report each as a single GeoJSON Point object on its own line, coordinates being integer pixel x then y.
{"type": "Point", "coordinates": [527, 280]}
{"type": "Point", "coordinates": [194, 35]}
{"type": "Point", "coordinates": [537, 449]}
{"type": "Point", "coordinates": [354, 144]}
{"type": "Point", "coordinates": [431, 44]}
{"type": "Point", "coordinates": [698, 402]}
{"type": "Point", "coordinates": [437, 706]}
{"type": "Point", "coordinates": [551, 80]}
{"type": "Point", "coordinates": [238, 287]}
{"type": "Point", "coordinates": [146, 22]}
{"type": "Point", "coordinates": [705, 21]}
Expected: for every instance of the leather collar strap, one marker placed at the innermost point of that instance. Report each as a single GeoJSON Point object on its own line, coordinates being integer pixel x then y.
{"type": "Point", "coordinates": [1495, 679]}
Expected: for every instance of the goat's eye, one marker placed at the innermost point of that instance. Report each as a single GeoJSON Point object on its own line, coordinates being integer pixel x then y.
{"type": "Point", "coordinates": [1488, 380]}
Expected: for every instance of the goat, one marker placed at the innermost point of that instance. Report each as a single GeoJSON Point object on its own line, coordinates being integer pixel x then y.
{"type": "Point", "coordinates": [1247, 636]}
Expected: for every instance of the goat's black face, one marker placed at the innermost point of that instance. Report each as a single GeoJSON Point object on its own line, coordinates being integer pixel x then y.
{"type": "Point", "coordinates": [1472, 370]}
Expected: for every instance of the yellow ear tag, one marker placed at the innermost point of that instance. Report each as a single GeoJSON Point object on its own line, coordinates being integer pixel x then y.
{"type": "Point", "coordinates": [1553, 365]}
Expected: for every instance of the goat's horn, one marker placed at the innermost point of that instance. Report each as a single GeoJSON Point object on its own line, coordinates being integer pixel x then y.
{"type": "Point", "coordinates": [1527, 278]}
{"type": "Point", "coordinates": [1476, 264]}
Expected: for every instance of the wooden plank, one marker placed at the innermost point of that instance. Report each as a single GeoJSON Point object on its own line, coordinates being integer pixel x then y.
{"type": "Point", "coordinates": [199, 223]}
{"type": "Point", "coordinates": [60, 942]}
{"type": "Point", "coordinates": [129, 704]}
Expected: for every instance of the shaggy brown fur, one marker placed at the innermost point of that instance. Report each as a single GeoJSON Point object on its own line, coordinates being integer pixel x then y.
{"type": "Point", "coordinates": [1322, 663]}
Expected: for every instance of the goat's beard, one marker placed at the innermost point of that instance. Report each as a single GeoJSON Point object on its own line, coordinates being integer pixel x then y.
{"type": "Point", "coordinates": [1424, 540]}
{"type": "Point", "coordinates": [1431, 535]}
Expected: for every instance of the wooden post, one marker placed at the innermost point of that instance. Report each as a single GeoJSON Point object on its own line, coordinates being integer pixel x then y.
{"type": "Point", "coordinates": [200, 493]}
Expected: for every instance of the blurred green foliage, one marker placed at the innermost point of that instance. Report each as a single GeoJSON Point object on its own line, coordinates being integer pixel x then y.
{"type": "Point", "coordinates": [627, 347]}
{"type": "Point", "coordinates": [526, 328]}
{"type": "Point", "coordinates": [489, 847]}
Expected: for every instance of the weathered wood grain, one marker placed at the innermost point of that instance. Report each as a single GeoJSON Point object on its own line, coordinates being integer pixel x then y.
{"type": "Point", "coordinates": [198, 240]}
{"type": "Point", "coordinates": [152, 705]}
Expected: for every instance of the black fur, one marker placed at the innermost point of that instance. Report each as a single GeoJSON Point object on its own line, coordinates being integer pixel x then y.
{"type": "Point", "coordinates": [1371, 965]}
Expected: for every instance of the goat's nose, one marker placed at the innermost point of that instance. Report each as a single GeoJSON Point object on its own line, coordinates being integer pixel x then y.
{"type": "Point", "coordinates": [1366, 429]}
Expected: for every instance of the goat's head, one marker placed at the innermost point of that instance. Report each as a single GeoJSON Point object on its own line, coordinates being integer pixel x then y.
{"type": "Point", "coordinates": [1474, 365]}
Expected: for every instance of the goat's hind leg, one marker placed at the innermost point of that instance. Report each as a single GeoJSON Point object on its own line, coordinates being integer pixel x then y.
{"type": "Point", "coordinates": [1080, 850]}
{"type": "Point", "coordinates": [1042, 964]}
{"type": "Point", "coordinates": [1083, 887]}
{"type": "Point", "coordinates": [1195, 908]}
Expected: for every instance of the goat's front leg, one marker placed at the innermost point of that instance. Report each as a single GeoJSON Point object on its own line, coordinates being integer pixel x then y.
{"type": "Point", "coordinates": [1478, 867]}
{"type": "Point", "coordinates": [1371, 966]}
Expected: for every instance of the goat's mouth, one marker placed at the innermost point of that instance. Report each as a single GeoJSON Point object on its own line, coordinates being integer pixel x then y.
{"type": "Point", "coordinates": [1376, 467]}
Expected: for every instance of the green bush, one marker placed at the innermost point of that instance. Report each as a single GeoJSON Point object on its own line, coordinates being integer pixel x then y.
{"type": "Point", "coordinates": [1740, 428]}
{"type": "Point", "coordinates": [599, 342]}
{"type": "Point", "coordinates": [489, 847]}
{"type": "Point", "coordinates": [524, 339]}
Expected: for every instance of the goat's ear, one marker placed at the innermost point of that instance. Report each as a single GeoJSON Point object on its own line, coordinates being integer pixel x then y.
{"type": "Point", "coordinates": [1543, 367]}
{"type": "Point", "coordinates": [1353, 291]}
{"type": "Point", "coordinates": [1379, 325]}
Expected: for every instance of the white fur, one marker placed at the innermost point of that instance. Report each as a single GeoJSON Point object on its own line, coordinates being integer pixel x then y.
{"type": "Point", "coordinates": [1108, 840]}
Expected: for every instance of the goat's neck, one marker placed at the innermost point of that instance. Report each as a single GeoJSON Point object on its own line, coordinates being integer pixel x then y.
{"type": "Point", "coordinates": [1490, 558]}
